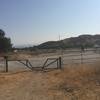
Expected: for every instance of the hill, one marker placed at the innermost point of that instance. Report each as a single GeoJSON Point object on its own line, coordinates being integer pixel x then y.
{"type": "Point", "coordinates": [73, 42]}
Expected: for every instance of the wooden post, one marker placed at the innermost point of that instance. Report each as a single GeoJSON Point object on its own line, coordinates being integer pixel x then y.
{"type": "Point", "coordinates": [60, 63]}
{"type": "Point", "coordinates": [6, 62]}
{"type": "Point", "coordinates": [26, 62]}
{"type": "Point", "coordinates": [81, 57]}
{"type": "Point", "coordinates": [57, 63]}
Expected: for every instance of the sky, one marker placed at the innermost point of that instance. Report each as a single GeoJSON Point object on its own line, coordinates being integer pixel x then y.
{"type": "Point", "coordinates": [31, 22]}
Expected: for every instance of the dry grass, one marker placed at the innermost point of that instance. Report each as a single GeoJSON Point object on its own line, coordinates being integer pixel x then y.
{"type": "Point", "coordinates": [78, 82]}
{"type": "Point", "coordinates": [19, 56]}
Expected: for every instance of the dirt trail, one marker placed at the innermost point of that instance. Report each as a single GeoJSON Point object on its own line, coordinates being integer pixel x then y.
{"type": "Point", "coordinates": [24, 86]}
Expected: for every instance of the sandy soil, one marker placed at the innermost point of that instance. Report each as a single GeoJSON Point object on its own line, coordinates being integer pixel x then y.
{"type": "Point", "coordinates": [80, 82]}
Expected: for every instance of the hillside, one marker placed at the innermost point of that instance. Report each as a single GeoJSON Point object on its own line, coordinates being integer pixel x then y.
{"type": "Point", "coordinates": [73, 42]}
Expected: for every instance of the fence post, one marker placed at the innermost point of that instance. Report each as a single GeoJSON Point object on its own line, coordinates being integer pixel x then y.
{"type": "Point", "coordinates": [81, 57]}
{"type": "Point", "coordinates": [6, 62]}
{"type": "Point", "coordinates": [60, 63]}
{"type": "Point", "coordinates": [57, 63]}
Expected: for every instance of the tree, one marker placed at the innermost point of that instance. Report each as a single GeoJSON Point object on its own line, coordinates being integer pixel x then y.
{"type": "Point", "coordinates": [5, 42]}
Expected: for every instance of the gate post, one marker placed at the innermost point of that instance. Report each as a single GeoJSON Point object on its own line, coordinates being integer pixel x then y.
{"type": "Point", "coordinates": [81, 57]}
{"type": "Point", "coordinates": [60, 63]}
{"type": "Point", "coordinates": [6, 62]}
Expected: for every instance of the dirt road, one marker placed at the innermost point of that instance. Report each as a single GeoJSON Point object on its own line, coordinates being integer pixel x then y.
{"type": "Point", "coordinates": [25, 86]}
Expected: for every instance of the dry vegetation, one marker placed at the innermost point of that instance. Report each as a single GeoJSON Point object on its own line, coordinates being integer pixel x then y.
{"type": "Point", "coordinates": [78, 82]}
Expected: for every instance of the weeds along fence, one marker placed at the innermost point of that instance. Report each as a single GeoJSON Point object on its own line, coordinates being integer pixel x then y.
{"type": "Point", "coordinates": [80, 57]}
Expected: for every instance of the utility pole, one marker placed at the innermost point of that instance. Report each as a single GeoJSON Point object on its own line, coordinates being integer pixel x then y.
{"type": "Point", "coordinates": [59, 37]}
{"type": "Point", "coordinates": [61, 51]}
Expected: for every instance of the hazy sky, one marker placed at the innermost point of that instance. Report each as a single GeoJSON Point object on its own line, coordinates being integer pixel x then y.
{"type": "Point", "coordinates": [36, 21]}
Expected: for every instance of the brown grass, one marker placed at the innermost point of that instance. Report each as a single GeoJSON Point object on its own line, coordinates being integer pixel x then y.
{"type": "Point", "coordinates": [78, 82]}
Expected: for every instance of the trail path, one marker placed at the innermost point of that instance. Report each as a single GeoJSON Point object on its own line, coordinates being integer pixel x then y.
{"type": "Point", "coordinates": [26, 86]}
